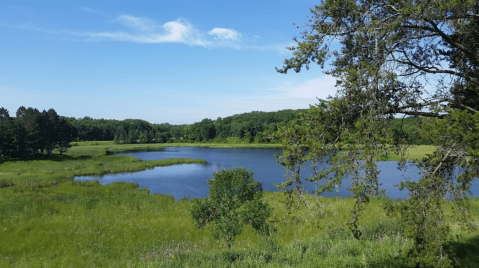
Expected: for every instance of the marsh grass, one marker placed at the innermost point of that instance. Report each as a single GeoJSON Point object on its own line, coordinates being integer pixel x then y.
{"type": "Point", "coordinates": [413, 153]}
{"type": "Point", "coordinates": [49, 220]}
{"type": "Point", "coordinates": [81, 160]}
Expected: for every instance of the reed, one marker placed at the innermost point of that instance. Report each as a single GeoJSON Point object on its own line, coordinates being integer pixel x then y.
{"type": "Point", "coordinates": [49, 220]}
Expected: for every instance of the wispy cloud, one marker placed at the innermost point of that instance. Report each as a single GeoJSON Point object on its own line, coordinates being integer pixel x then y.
{"type": "Point", "coordinates": [146, 31]}
{"type": "Point", "coordinates": [129, 28]}
{"type": "Point", "coordinates": [90, 10]}
{"type": "Point", "coordinates": [137, 23]}
{"type": "Point", "coordinates": [225, 34]}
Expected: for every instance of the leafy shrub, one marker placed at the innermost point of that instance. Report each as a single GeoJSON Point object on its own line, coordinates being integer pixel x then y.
{"type": "Point", "coordinates": [234, 200]}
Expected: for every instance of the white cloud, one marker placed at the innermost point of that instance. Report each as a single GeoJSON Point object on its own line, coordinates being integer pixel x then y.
{"type": "Point", "coordinates": [140, 24]}
{"type": "Point", "coordinates": [225, 34]}
{"type": "Point", "coordinates": [147, 31]}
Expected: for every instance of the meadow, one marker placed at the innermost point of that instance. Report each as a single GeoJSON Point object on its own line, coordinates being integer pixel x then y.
{"type": "Point", "coordinates": [49, 220]}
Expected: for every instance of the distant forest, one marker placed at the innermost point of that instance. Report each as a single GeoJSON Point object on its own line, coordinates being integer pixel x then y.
{"type": "Point", "coordinates": [255, 127]}
{"type": "Point", "coordinates": [32, 132]}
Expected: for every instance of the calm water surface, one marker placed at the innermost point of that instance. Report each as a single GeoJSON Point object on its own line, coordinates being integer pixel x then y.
{"type": "Point", "coordinates": [190, 180]}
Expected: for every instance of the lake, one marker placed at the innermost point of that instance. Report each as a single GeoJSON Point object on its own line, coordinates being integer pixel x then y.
{"type": "Point", "coordinates": [190, 180]}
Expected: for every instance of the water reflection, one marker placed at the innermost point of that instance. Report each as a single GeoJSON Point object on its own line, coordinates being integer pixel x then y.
{"type": "Point", "coordinates": [190, 180]}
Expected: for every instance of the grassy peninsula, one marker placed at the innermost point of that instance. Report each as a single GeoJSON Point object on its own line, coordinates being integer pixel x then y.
{"type": "Point", "coordinates": [49, 220]}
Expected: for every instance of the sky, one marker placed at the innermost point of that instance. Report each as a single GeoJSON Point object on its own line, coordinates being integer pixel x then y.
{"type": "Point", "coordinates": [174, 62]}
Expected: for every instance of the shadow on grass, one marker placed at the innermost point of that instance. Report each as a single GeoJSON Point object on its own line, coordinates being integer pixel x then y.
{"type": "Point", "coordinates": [60, 158]}
{"type": "Point", "coordinates": [466, 252]}
{"type": "Point", "coordinates": [5, 184]}
{"type": "Point", "coordinates": [134, 150]}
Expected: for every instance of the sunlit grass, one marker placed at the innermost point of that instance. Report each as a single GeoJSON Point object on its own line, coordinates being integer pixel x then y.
{"type": "Point", "coordinates": [49, 220]}
{"type": "Point", "coordinates": [118, 225]}
{"type": "Point", "coordinates": [86, 158]}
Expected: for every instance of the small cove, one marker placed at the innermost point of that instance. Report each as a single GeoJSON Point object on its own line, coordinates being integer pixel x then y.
{"type": "Point", "coordinates": [190, 180]}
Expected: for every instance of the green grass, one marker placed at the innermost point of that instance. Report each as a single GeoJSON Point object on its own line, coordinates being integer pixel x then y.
{"type": "Point", "coordinates": [417, 152]}
{"type": "Point", "coordinates": [49, 220]}
{"type": "Point", "coordinates": [89, 225]}
{"type": "Point", "coordinates": [81, 160]}
{"type": "Point", "coordinates": [414, 153]}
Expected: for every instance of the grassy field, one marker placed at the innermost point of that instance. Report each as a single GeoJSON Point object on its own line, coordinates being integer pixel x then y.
{"type": "Point", "coordinates": [49, 220]}
{"type": "Point", "coordinates": [414, 153]}
{"type": "Point", "coordinates": [111, 144]}
{"type": "Point", "coordinates": [87, 158]}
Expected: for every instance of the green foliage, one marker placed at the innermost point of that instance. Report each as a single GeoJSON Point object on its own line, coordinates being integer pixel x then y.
{"type": "Point", "coordinates": [49, 220]}
{"type": "Point", "coordinates": [234, 200]}
{"type": "Point", "coordinates": [6, 133]}
{"type": "Point", "coordinates": [388, 53]}
{"type": "Point", "coordinates": [32, 132]}
{"type": "Point", "coordinates": [408, 130]}
{"type": "Point", "coordinates": [257, 127]}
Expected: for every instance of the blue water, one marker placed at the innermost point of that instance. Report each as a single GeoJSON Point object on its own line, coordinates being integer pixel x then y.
{"type": "Point", "coordinates": [190, 180]}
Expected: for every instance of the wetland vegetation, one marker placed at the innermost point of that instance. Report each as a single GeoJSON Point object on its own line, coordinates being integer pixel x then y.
{"type": "Point", "coordinates": [49, 220]}
{"type": "Point", "coordinates": [389, 58]}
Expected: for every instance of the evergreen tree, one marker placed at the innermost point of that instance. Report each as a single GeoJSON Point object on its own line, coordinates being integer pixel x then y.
{"type": "Point", "coordinates": [6, 133]}
{"type": "Point", "coordinates": [413, 58]}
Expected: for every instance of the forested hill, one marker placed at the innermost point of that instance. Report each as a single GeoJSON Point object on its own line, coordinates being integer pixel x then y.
{"type": "Point", "coordinates": [255, 127]}
{"type": "Point", "coordinates": [32, 131]}
{"type": "Point", "coordinates": [248, 127]}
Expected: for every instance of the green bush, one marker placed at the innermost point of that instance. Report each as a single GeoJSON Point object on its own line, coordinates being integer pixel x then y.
{"type": "Point", "coordinates": [234, 200]}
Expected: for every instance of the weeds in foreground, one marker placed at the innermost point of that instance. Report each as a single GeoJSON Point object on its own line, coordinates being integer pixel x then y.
{"type": "Point", "coordinates": [49, 220]}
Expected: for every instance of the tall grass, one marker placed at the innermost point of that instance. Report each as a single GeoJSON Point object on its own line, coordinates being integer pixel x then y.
{"type": "Point", "coordinates": [86, 224]}
{"type": "Point", "coordinates": [49, 220]}
{"type": "Point", "coordinates": [84, 159]}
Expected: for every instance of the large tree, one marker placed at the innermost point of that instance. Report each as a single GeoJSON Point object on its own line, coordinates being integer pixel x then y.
{"type": "Point", "coordinates": [29, 128]}
{"type": "Point", "coordinates": [390, 58]}
{"type": "Point", "coordinates": [6, 133]}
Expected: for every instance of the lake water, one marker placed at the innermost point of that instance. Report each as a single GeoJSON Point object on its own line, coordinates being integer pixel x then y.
{"type": "Point", "coordinates": [190, 180]}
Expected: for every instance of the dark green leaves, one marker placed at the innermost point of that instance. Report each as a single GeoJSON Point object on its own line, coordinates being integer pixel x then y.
{"type": "Point", "coordinates": [406, 58]}
{"type": "Point", "coordinates": [234, 200]}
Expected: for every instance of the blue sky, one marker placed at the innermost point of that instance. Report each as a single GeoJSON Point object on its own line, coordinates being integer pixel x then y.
{"type": "Point", "coordinates": [161, 61]}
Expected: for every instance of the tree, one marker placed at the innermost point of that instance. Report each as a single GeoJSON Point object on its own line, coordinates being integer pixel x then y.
{"type": "Point", "coordinates": [50, 131]}
{"type": "Point", "coordinates": [390, 58]}
{"type": "Point", "coordinates": [6, 133]}
{"type": "Point", "coordinates": [28, 136]}
{"type": "Point", "coordinates": [234, 200]}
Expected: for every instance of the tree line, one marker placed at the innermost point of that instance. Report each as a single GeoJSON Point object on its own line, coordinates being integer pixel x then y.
{"type": "Point", "coordinates": [33, 132]}
{"type": "Point", "coordinates": [253, 127]}
{"type": "Point", "coordinates": [256, 127]}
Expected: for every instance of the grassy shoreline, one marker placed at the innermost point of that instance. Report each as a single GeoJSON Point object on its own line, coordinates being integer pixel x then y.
{"type": "Point", "coordinates": [87, 159]}
{"type": "Point", "coordinates": [49, 220]}
{"type": "Point", "coordinates": [161, 145]}
{"type": "Point", "coordinates": [414, 153]}
{"type": "Point", "coordinates": [98, 158]}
